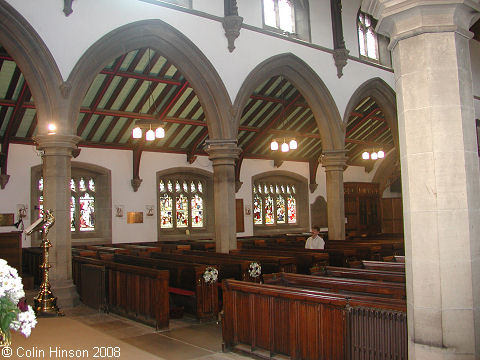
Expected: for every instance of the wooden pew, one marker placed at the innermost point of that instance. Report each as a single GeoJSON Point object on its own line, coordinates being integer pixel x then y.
{"type": "Point", "coordinates": [340, 285]}
{"type": "Point", "coordinates": [305, 260]}
{"type": "Point", "coordinates": [134, 292]}
{"type": "Point", "coordinates": [187, 284]}
{"type": "Point", "coordinates": [383, 265]}
{"type": "Point", "coordinates": [269, 264]}
{"type": "Point", "coordinates": [268, 321]}
{"type": "Point", "coordinates": [366, 274]}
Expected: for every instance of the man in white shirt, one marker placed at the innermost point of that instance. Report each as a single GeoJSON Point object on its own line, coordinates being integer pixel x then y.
{"type": "Point", "coordinates": [315, 241]}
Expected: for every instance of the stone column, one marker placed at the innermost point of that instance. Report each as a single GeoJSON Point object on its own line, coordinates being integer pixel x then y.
{"type": "Point", "coordinates": [223, 154]}
{"type": "Point", "coordinates": [56, 192]}
{"type": "Point", "coordinates": [334, 163]}
{"type": "Point", "coordinates": [440, 172]}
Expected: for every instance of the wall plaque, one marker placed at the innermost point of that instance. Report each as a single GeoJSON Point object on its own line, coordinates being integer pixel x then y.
{"type": "Point", "coordinates": [134, 217]}
{"type": "Point", "coordinates": [7, 219]}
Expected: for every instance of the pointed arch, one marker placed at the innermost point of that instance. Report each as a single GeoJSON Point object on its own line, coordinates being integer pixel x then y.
{"type": "Point", "coordinates": [36, 62]}
{"type": "Point", "coordinates": [178, 49]}
{"type": "Point", "coordinates": [309, 84]}
{"type": "Point", "coordinates": [384, 96]}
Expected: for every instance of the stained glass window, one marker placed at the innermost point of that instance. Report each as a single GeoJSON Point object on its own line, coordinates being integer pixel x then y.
{"type": "Point", "coordinates": [81, 184]}
{"type": "Point", "coordinates": [181, 207]}
{"type": "Point", "coordinates": [161, 186]}
{"type": "Point", "coordinates": [257, 210]}
{"type": "Point", "coordinates": [280, 210]}
{"type": "Point", "coordinates": [82, 204]}
{"type": "Point", "coordinates": [292, 210]}
{"type": "Point", "coordinates": [269, 213]}
{"type": "Point", "coordinates": [197, 211]}
{"type": "Point", "coordinates": [272, 207]}
{"type": "Point", "coordinates": [40, 184]}
{"type": "Point", "coordinates": [87, 212]}
{"type": "Point", "coordinates": [72, 213]}
{"type": "Point", "coordinates": [166, 212]}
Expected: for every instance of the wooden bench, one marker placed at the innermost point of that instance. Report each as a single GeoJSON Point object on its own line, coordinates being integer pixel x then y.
{"type": "Point", "coordinates": [384, 266]}
{"type": "Point", "coordinates": [366, 274]}
{"type": "Point", "coordinates": [132, 291]}
{"type": "Point", "coordinates": [269, 264]}
{"type": "Point", "coordinates": [305, 260]}
{"type": "Point", "coordinates": [271, 321]}
{"type": "Point", "coordinates": [341, 285]}
{"type": "Point", "coordinates": [187, 284]}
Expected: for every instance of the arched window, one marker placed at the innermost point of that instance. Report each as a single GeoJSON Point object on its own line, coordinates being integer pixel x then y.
{"type": "Point", "coordinates": [372, 46]}
{"type": "Point", "coordinates": [183, 199]}
{"type": "Point", "coordinates": [280, 203]}
{"type": "Point", "coordinates": [287, 16]}
{"type": "Point", "coordinates": [90, 202]}
{"type": "Point", "coordinates": [367, 38]}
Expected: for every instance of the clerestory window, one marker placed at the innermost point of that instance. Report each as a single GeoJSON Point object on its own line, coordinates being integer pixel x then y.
{"type": "Point", "coordinates": [372, 46]}
{"type": "Point", "coordinates": [290, 17]}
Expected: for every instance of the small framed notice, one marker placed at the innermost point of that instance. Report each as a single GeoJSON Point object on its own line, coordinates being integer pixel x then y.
{"type": "Point", "coordinates": [7, 219]}
{"type": "Point", "coordinates": [134, 217]}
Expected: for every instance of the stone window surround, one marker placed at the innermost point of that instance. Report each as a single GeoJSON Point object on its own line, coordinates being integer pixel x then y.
{"type": "Point", "coordinates": [301, 184]}
{"type": "Point", "coordinates": [207, 231]}
{"type": "Point", "coordinates": [384, 56]}
{"type": "Point", "coordinates": [103, 203]}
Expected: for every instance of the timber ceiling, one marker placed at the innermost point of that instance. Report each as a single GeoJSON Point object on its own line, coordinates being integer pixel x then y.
{"type": "Point", "coordinates": [144, 85]}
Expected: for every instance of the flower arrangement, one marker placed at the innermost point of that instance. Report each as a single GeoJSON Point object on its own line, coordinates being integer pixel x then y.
{"type": "Point", "coordinates": [15, 314]}
{"type": "Point", "coordinates": [254, 270]}
{"type": "Point", "coordinates": [210, 275]}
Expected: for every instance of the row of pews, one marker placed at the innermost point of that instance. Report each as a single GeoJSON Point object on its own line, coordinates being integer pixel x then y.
{"type": "Point", "coordinates": [339, 303]}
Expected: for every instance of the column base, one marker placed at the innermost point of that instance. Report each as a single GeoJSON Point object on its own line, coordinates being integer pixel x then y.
{"type": "Point", "coordinates": [428, 352]}
{"type": "Point", "coordinates": [66, 294]}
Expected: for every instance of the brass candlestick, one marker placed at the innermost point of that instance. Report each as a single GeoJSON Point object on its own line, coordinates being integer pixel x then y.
{"type": "Point", "coordinates": [45, 303]}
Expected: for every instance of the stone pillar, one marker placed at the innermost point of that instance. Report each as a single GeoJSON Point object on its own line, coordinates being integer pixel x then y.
{"type": "Point", "coordinates": [440, 172]}
{"type": "Point", "coordinates": [56, 192]}
{"type": "Point", "coordinates": [334, 163]}
{"type": "Point", "coordinates": [223, 154]}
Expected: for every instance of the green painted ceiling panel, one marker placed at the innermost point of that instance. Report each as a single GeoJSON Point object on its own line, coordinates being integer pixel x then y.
{"type": "Point", "coordinates": [6, 73]}
{"type": "Point", "coordinates": [25, 123]}
{"type": "Point", "coordinates": [92, 91]}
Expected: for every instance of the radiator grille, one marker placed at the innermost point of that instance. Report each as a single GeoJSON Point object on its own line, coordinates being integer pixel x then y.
{"type": "Point", "coordinates": [377, 334]}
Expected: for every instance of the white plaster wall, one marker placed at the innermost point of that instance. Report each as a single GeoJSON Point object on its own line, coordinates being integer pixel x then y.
{"type": "Point", "coordinates": [349, 21]}
{"type": "Point", "coordinates": [93, 19]}
{"type": "Point", "coordinates": [21, 158]}
{"type": "Point", "coordinates": [321, 23]}
{"type": "Point", "coordinates": [119, 162]}
{"type": "Point", "coordinates": [209, 6]}
{"type": "Point", "coordinates": [475, 61]}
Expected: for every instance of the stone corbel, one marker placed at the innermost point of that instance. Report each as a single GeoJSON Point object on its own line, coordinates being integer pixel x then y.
{"type": "Point", "coordinates": [67, 7]}
{"type": "Point", "coordinates": [340, 56]}
{"type": "Point", "coordinates": [4, 180]}
{"type": "Point", "coordinates": [136, 181]}
{"type": "Point", "coordinates": [232, 25]}
{"type": "Point", "coordinates": [191, 157]}
{"type": "Point", "coordinates": [312, 169]}
{"type": "Point", "coordinates": [238, 166]}
{"type": "Point", "coordinates": [238, 185]}
{"type": "Point", "coordinates": [277, 162]}
{"type": "Point", "coordinates": [3, 174]}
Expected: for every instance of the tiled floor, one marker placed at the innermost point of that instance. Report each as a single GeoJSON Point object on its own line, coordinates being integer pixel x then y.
{"type": "Point", "coordinates": [85, 328]}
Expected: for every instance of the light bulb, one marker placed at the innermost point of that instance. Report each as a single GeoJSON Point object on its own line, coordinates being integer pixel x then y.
{"type": "Point", "coordinates": [274, 145]}
{"type": "Point", "coordinates": [381, 154]}
{"type": "Point", "coordinates": [160, 133]}
{"type": "Point", "coordinates": [285, 147]}
{"type": "Point", "coordinates": [52, 128]}
{"type": "Point", "coordinates": [150, 135]}
{"type": "Point", "coordinates": [374, 156]}
{"type": "Point", "coordinates": [137, 133]}
{"type": "Point", "coordinates": [365, 155]}
{"type": "Point", "coordinates": [293, 144]}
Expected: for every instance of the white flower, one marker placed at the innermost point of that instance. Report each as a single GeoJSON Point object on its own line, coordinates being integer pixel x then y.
{"type": "Point", "coordinates": [27, 320]}
{"type": "Point", "coordinates": [210, 275]}
{"type": "Point", "coordinates": [254, 270]}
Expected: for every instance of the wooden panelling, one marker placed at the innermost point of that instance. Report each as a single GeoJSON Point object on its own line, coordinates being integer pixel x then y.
{"type": "Point", "coordinates": [239, 215]}
{"type": "Point", "coordinates": [11, 249]}
{"type": "Point", "coordinates": [392, 215]}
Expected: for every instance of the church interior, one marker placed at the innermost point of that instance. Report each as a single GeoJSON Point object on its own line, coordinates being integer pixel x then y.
{"type": "Point", "coordinates": [163, 164]}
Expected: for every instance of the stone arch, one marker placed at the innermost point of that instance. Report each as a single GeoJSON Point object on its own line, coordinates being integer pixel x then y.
{"type": "Point", "coordinates": [36, 62]}
{"type": "Point", "coordinates": [178, 49]}
{"type": "Point", "coordinates": [309, 84]}
{"type": "Point", "coordinates": [384, 96]}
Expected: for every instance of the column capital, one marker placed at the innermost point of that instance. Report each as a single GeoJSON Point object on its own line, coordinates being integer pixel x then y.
{"type": "Point", "coordinates": [57, 144]}
{"type": "Point", "coordinates": [222, 152]}
{"type": "Point", "coordinates": [334, 160]}
{"type": "Point", "coordinates": [402, 19]}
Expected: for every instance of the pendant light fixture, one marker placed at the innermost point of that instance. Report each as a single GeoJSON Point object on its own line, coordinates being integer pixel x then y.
{"type": "Point", "coordinates": [150, 135]}
{"type": "Point", "coordinates": [286, 146]}
{"type": "Point", "coordinates": [374, 155]}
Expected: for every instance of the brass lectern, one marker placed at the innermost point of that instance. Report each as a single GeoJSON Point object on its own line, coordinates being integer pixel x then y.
{"type": "Point", "coordinates": [44, 303]}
